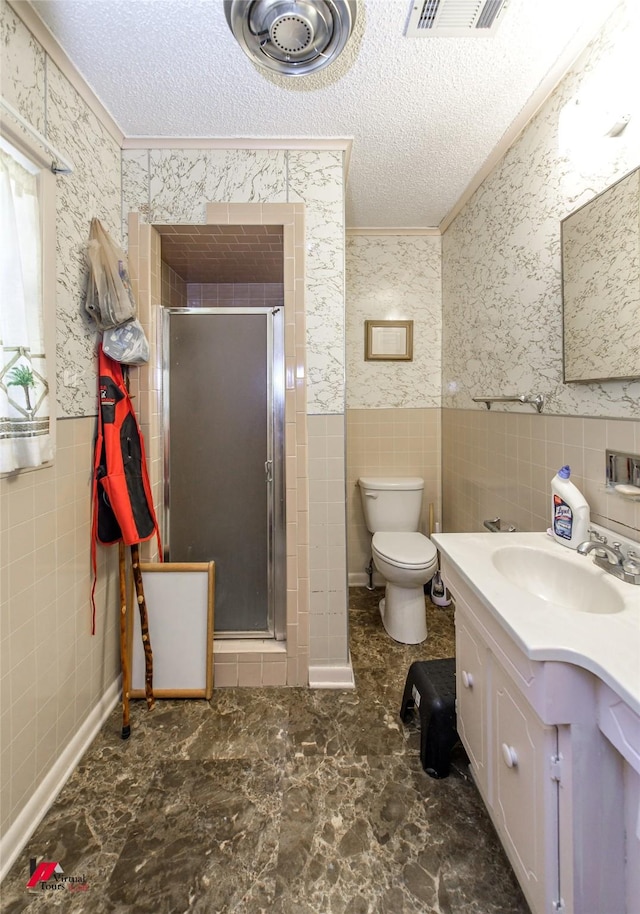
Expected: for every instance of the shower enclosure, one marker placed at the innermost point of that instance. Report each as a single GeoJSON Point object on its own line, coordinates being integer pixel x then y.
{"type": "Point", "coordinates": [223, 418]}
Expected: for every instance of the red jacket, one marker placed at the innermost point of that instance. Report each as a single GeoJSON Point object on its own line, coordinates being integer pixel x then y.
{"type": "Point", "coordinates": [122, 501]}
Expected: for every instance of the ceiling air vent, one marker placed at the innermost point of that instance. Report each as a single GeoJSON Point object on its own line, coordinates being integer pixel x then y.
{"type": "Point", "coordinates": [454, 17]}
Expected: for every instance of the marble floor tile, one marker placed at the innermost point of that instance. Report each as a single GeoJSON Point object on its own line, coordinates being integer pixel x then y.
{"type": "Point", "coordinates": [373, 835]}
{"type": "Point", "coordinates": [372, 648]}
{"type": "Point", "coordinates": [282, 801]}
{"type": "Point", "coordinates": [206, 828]}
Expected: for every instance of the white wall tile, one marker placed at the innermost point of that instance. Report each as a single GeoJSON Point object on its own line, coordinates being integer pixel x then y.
{"type": "Point", "coordinates": [518, 491]}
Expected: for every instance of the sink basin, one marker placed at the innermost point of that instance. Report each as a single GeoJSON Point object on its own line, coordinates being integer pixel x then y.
{"type": "Point", "coordinates": [556, 580]}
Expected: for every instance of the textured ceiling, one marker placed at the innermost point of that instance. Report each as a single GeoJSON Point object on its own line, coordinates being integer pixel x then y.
{"type": "Point", "coordinates": [223, 253]}
{"type": "Point", "coordinates": [424, 113]}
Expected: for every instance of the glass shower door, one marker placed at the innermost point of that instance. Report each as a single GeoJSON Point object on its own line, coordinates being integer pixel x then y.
{"type": "Point", "coordinates": [223, 413]}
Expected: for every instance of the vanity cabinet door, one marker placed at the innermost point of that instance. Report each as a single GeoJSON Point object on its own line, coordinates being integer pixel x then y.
{"type": "Point", "coordinates": [525, 806]}
{"type": "Point", "coordinates": [471, 698]}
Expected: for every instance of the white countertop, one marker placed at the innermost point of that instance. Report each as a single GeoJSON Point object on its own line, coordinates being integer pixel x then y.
{"type": "Point", "coordinates": [606, 644]}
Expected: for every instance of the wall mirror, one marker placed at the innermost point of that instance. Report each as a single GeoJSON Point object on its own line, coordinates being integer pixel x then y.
{"type": "Point", "coordinates": [601, 285]}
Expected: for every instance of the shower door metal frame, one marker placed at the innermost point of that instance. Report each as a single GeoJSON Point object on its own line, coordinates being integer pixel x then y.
{"type": "Point", "coordinates": [274, 466]}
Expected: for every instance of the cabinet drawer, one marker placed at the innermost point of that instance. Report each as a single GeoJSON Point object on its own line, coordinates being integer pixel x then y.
{"type": "Point", "coordinates": [471, 691]}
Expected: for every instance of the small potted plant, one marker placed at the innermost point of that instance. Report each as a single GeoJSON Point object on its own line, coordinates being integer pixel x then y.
{"type": "Point", "coordinates": [22, 376]}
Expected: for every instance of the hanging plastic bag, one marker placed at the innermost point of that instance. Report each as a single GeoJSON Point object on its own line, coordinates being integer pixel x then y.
{"type": "Point", "coordinates": [109, 299]}
{"type": "Point", "coordinates": [127, 344]}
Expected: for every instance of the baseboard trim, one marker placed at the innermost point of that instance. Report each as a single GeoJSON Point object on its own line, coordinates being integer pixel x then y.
{"type": "Point", "coordinates": [19, 832]}
{"type": "Point", "coordinates": [361, 579]}
{"type": "Point", "coordinates": [334, 676]}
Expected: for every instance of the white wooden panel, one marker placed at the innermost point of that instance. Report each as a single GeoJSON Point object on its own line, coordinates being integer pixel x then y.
{"type": "Point", "coordinates": [179, 599]}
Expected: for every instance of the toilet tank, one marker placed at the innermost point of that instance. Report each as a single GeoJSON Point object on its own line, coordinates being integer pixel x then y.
{"type": "Point", "coordinates": [391, 503]}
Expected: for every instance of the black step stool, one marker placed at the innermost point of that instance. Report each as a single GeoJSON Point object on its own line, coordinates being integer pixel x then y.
{"type": "Point", "coordinates": [431, 689]}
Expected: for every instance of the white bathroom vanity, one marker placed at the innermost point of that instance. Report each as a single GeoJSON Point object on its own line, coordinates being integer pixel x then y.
{"type": "Point", "coordinates": [548, 710]}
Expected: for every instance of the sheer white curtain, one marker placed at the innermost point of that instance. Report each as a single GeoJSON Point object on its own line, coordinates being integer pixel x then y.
{"type": "Point", "coordinates": [25, 439]}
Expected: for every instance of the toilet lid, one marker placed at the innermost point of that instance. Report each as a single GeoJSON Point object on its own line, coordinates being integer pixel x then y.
{"type": "Point", "coordinates": [412, 550]}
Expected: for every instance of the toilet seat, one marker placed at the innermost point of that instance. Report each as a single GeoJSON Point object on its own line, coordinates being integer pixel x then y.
{"type": "Point", "coordinates": [405, 550]}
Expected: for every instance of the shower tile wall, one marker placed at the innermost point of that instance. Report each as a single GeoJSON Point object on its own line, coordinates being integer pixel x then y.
{"type": "Point", "coordinates": [55, 676]}
{"type": "Point", "coordinates": [174, 288]}
{"type": "Point", "coordinates": [234, 295]}
{"type": "Point", "coordinates": [502, 309]}
{"type": "Point", "coordinates": [175, 186]}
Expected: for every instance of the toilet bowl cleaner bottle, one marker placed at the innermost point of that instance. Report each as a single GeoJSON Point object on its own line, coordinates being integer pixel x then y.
{"type": "Point", "coordinates": [569, 511]}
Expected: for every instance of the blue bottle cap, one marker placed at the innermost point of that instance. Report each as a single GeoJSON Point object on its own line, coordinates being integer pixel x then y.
{"type": "Point", "coordinates": [564, 472]}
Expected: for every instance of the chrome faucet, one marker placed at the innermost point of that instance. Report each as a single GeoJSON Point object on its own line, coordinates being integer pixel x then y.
{"type": "Point", "coordinates": [613, 554]}
{"type": "Point", "coordinates": [613, 560]}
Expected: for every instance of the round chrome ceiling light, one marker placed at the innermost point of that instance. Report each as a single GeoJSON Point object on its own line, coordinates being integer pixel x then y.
{"type": "Point", "coordinates": [291, 37]}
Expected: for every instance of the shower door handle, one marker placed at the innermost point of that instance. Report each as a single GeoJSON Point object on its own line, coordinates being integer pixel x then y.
{"type": "Point", "coordinates": [268, 470]}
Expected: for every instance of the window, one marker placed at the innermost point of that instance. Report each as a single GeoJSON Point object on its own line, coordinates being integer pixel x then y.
{"type": "Point", "coordinates": [27, 427]}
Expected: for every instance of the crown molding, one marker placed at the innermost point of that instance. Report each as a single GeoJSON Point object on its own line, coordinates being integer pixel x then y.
{"type": "Point", "coordinates": [342, 144]}
{"type": "Point", "coordinates": [334, 144]}
{"type": "Point", "coordinates": [373, 231]}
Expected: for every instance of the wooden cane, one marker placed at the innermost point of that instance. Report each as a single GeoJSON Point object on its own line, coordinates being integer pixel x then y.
{"type": "Point", "coordinates": [124, 655]}
{"type": "Point", "coordinates": [144, 627]}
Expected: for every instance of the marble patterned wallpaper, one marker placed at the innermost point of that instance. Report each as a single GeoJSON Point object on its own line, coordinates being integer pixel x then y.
{"type": "Point", "coordinates": [22, 75]}
{"type": "Point", "coordinates": [317, 180]}
{"type": "Point", "coordinates": [502, 304]}
{"type": "Point", "coordinates": [394, 277]}
{"type": "Point", "coordinates": [174, 186]}
{"type": "Point", "coordinates": [92, 190]}
{"type": "Point", "coordinates": [41, 93]}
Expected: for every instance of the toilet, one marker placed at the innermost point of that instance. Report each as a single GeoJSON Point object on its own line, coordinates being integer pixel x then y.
{"type": "Point", "coordinates": [404, 557]}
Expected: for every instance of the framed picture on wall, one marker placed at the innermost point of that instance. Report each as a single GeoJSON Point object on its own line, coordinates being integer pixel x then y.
{"type": "Point", "coordinates": [389, 341]}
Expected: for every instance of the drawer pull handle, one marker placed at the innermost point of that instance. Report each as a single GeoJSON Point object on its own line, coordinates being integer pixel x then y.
{"type": "Point", "coordinates": [510, 756]}
{"type": "Point", "coordinates": [467, 680]}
